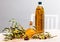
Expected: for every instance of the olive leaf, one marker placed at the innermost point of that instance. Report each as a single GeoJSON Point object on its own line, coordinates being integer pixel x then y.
{"type": "Point", "coordinates": [6, 30]}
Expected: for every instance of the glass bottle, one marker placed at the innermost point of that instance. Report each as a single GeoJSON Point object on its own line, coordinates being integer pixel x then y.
{"type": "Point", "coordinates": [39, 18]}
{"type": "Point", "coordinates": [30, 31]}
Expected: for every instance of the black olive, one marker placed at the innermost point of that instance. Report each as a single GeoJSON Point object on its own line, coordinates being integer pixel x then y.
{"type": "Point", "coordinates": [45, 38]}
{"type": "Point", "coordinates": [26, 38]}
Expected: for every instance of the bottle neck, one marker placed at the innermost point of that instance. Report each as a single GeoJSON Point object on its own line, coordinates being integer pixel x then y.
{"type": "Point", "coordinates": [30, 26]}
{"type": "Point", "coordinates": [40, 5]}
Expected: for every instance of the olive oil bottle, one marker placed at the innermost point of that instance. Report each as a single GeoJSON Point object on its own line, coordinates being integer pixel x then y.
{"type": "Point", "coordinates": [39, 18]}
{"type": "Point", "coordinates": [30, 31]}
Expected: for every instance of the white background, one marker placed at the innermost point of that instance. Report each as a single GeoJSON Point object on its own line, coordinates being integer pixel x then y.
{"type": "Point", "coordinates": [22, 9]}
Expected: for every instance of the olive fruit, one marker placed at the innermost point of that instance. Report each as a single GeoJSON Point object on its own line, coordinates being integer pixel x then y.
{"type": "Point", "coordinates": [26, 38]}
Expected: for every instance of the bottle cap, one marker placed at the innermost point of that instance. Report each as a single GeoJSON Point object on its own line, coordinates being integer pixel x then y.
{"type": "Point", "coordinates": [30, 23]}
{"type": "Point", "coordinates": [39, 3]}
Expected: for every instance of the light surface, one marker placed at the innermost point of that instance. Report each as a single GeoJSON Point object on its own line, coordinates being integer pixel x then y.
{"type": "Point", "coordinates": [53, 32]}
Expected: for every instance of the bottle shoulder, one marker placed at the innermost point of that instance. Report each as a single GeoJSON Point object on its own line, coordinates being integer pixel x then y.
{"type": "Point", "coordinates": [39, 7]}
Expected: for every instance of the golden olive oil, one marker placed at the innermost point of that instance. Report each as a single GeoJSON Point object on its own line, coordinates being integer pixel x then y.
{"type": "Point", "coordinates": [39, 18]}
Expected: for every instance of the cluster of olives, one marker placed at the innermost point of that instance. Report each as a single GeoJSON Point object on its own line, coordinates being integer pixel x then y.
{"type": "Point", "coordinates": [45, 35]}
{"type": "Point", "coordinates": [42, 36]}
